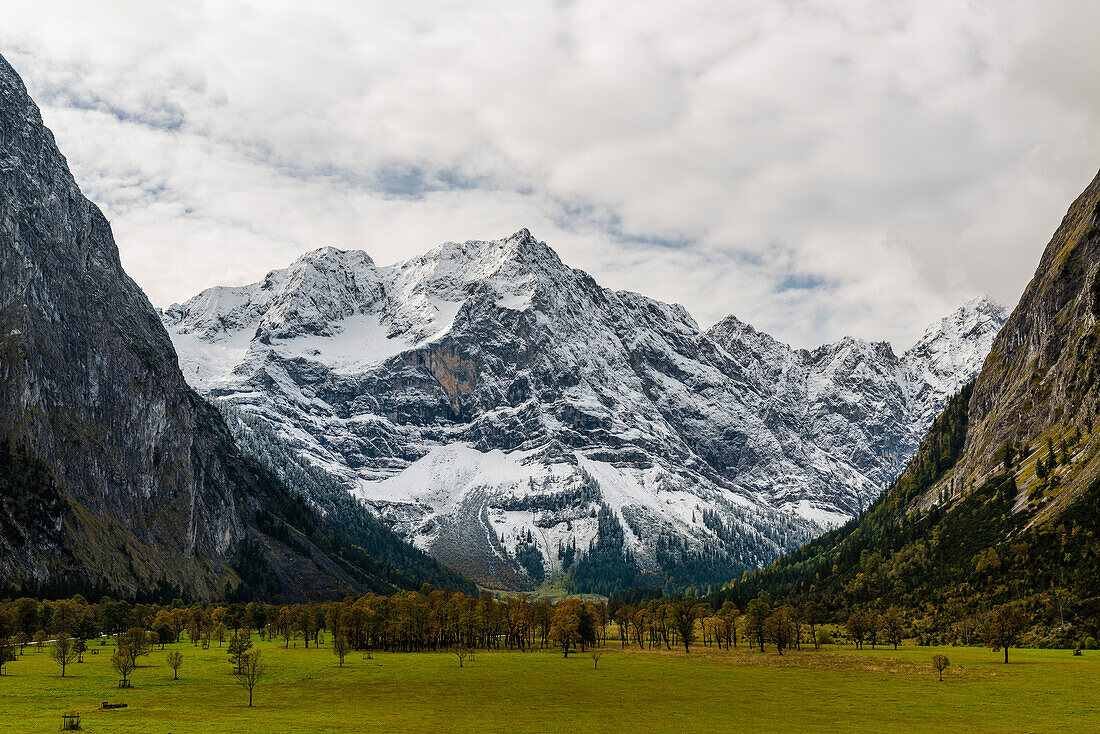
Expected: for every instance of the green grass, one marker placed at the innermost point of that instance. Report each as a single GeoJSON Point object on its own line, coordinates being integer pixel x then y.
{"type": "Point", "coordinates": [832, 690]}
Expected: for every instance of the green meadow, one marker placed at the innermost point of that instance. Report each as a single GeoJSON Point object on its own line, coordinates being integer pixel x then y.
{"type": "Point", "coordinates": [835, 689]}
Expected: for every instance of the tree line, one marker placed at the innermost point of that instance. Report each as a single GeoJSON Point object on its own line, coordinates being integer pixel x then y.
{"type": "Point", "coordinates": [441, 619]}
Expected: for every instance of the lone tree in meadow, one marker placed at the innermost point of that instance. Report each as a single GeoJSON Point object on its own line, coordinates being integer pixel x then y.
{"type": "Point", "coordinates": [251, 671]}
{"type": "Point", "coordinates": [238, 649]}
{"type": "Point", "coordinates": [63, 652]}
{"type": "Point", "coordinates": [1003, 628]}
{"type": "Point", "coordinates": [340, 647]}
{"type": "Point", "coordinates": [940, 663]}
{"type": "Point", "coordinates": [175, 660]}
{"type": "Point", "coordinates": [596, 655]}
{"type": "Point", "coordinates": [462, 653]}
{"type": "Point", "coordinates": [124, 662]}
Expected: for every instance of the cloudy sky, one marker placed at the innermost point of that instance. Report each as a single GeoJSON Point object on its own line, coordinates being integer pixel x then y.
{"type": "Point", "coordinates": [816, 167]}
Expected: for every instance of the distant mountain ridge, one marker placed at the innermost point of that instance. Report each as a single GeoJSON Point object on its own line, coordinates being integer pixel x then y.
{"type": "Point", "coordinates": [501, 409]}
{"type": "Point", "coordinates": [857, 398]}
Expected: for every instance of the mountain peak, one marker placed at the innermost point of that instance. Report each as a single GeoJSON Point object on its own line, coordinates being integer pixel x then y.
{"type": "Point", "coordinates": [523, 246]}
{"type": "Point", "coordinates": [980, 314]}
{"type": "Point", "coordinates": [334, 256]}
{"type": "Point", "coordinates": [428, 384]}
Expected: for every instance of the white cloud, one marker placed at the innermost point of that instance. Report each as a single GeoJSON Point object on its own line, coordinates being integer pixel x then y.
{"type": "Point", "coordinates": [818, 168]}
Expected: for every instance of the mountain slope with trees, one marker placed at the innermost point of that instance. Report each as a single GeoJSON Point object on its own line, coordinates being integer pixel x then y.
{"type": "Point", "coordinates": [999, 507]}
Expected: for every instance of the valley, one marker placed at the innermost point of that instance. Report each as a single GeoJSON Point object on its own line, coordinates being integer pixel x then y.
{"type": "Point", "coordinates": [836, 689]}
{"type": "Point", "coordinates": [474, 488]}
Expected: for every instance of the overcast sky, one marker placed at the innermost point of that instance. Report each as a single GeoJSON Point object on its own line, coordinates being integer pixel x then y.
{"type": "Point", "coordinates": [816, 168]}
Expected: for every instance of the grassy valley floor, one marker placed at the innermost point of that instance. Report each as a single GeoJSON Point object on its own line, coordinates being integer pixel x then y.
{"type": "Point", "coordinates": [838, 689]}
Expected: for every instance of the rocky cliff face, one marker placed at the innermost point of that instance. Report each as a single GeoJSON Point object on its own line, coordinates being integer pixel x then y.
{"type": "Point", "coordinates": [489, 400]}
{"type": "Point", "coordinates": [145, 484]}
{"type": "Point", "coordinates": [1037, 389]}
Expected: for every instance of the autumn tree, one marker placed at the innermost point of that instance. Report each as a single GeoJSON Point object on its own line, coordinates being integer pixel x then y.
{"type": "Point", "coordinates": [124, 662]}
{"type": "Point", "coordinates": [63, 652]}
{"type": "Point", "coordinates": [893, 626]}
{"type": "Point", "coordinates": [565, 625]}
{"type": "Point", "coordinates": [7, 653]}
{"type": "Point", "coordinates": [756, 615]}
{"type": "Point", "coordinates": [340, 647]}
{"type": "Point", "coordinates": [251, 670]}
{"type": "Point", "coordinates": [812, 613]}
{"type": "Point", "coordinates": [7, 629]}
{"type": "Point", "coordinates": [727, 616]}
{"type": "Point", "coordinates": [940, 663]}
{"type": "Point", "coordinates": [683, 614]}
{"type": "Point", "coordinates": [1004, 626]}
{"type": "Point", "coordinates": [856, 627]}
{"type": "Point", "coordinates": [26, 616]}
{"type": "Point", "coordinates": [284, 624]}
{"type": "Point", "coordinates": [778, 628]}
{"type": "Point", "coordinates": [238, 649]}
{"type": "Point", "coordinates": [873, 626]}
{"type": "Point", "coordinates": [175, 660]}
{"type": "Point", "coordinates": [622, 621]}
{"type": "Point", "coordinates": [517, 618]}
{"type": "Point", "coordinates": [306, 622]}
{"type": "Point", "coordinates": [64, 616]}
{"type": "Point", "coordinates": [136, 642]}
{"type": "Point", "coordinates": [797, 620]}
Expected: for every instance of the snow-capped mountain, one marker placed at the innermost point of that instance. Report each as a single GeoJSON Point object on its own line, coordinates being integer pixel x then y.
{"type": "Point", "coordinates": [853, 411]}
{"type": "Point", "coordinates": [514, 418]}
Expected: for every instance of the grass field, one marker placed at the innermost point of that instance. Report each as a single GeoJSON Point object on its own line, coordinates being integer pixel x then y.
{"type": "Point", "coordinates": [709, 691]}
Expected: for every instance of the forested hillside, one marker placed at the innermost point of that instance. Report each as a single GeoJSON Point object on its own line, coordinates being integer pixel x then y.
{"type": "Point", "coordinates": [999, 507]}
{"type": "Point", "coordinates": [342, 524]}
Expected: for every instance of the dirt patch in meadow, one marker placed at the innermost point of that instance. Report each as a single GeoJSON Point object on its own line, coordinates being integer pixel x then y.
{"type": "Point", "coordinates": [865, 661]}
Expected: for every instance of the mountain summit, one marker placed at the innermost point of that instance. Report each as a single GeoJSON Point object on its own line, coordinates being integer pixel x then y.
{"type": "Point", "coordinates": [516, 419]}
